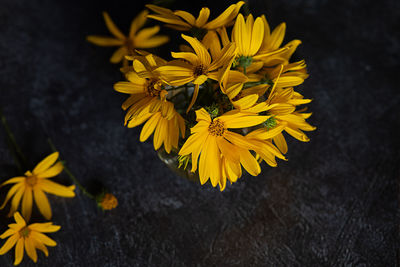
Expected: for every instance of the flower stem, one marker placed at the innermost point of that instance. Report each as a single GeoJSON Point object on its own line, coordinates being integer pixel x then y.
{"type": "Point", "coordinates": [69, 173]}
{"type": "Point", "coordinates": [16, 151]}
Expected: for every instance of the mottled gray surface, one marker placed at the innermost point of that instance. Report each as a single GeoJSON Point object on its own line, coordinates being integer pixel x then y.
{"type": "Point", "coordinates": [334, 203]}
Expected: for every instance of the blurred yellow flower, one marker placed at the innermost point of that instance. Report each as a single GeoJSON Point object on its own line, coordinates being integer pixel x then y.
{"type": "Point", "coordinates": [184, 21]}
{"type": "Point", "coordinates": [30, 237]}
{"type": "Point", "coordinates": [137, 39]}
{"type": "Point", "coordinates": [33, 185]}
{"type": "Point", "coordinates": [108, 202]}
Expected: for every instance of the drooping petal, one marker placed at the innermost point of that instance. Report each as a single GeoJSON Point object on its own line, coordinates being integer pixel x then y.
{"type": "Point", "coordinates": [40, 246]}
{"type": "Point", "coordinates": [204, 14]}
{"type": "Point", "coordinates": [9, 243]}
{"type": "Point", "coordinates": [30, 249]}
{"type": "Point", "coordinates": [149, 127]}
{"type": "Point", "coordinates": [42, 203]}
{"type": "Point", "coordinates": [19, 251]}
{"type": "Point", "coordinates": [26, 209]}
{"type": "Point", "coordinates": [11, 193]}
{"type": "Point", "coordinates": [118, 55]}
{"type": "Point", "coordinates": [57, 189]}
{"type": "Point", "coordinates": [43, 238]}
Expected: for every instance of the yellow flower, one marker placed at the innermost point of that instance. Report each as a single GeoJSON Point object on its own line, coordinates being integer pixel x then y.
{"type": "Point", "coordinates": [148, 102]}
{"type": "Point", "coordinates": [184, 21]}
{"type": "Point", "coordinates": [137, 39]}
{"type": "Point", "coordinates": [30, 237]}
{"type": "Point", "coordinates": [197, 67]}
{"type": "Point", "coordinates": [108, 202]}
{"type": "Point", "coordinates": [211, 140]}
{"type": "Point", "coordinates": [249, 36]}
{"type": "Point", "coordinates": [285, 118]}
{"type": "Point", "coordinates": [33, 185]}
{"type": "Point", "coordinates": [146, 89]}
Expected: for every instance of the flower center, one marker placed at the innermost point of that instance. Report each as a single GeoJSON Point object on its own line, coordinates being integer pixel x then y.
{"type": "Point", "coordinates": [199, 70]}
{"type": "Point", "coordinates": [129, 45]}
{"type": "Point", "coordinates": [31, 180]}
{"type": "Point", "coordinates": [154, 87]}
{"type": "Point", "coordinates": [24, 232]}
{"type": "Point", "coordinates": [216, 128]}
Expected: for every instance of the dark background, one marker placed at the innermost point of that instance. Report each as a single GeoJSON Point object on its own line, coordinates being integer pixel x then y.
{"type": "Point", "coordinates": [334, 203]}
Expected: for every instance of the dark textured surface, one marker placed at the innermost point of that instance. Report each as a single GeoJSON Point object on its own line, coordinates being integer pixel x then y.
{"type": "Point", "coordinates": [334, 203]}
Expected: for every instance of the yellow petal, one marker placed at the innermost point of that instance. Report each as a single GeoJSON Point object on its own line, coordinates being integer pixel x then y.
{"type": "Point", "coordinates": [19, 251]}
{"type": "Point", "coordinates": [204, 171]}
{"type": "Point", "coordinates": [7, 233]}
{"type": "Point", "coordinates": [30, 249]}
{"type": "Point", "coordinates": [249, 162]}
{"type": "Point", "coordinates": [10, 193]}
{"type": "Point", "coordinates": [257, 36]}
{"type": "Point", "coordinates": [112, 27]}
{"type": "Point", "coordinates": [44, 227]}
{"type": "Point", "coordinates": [298, 134]}
{"type": "Point", "coordinates": [239, 35]}
{"type": "Point", "coordinates": [226, 17]}
{"type": "Point", "coordinates": [40, 246]}
{"type": "Point", "coordinates": [186, 16]}
{"type": "Point", "coordinates": [26, 209]}
{"type": "Point", "coordinates": [192, 58]}
{"type": "Point", "coordinates": [9, 244]}
{"type": "Point", "coordinates": [204, 14]}
{"type": "Point", "coordinates": [56, 189]}
{"type": "Point", "coordinates": [202, 114]}
{"type": "Point", "coordinates": [13, 180]}
{"type": "Point", "coordinates": [130, 88]}
{"type": "Point", "coordinates": [146, 33]}
{"type": "Point", "coordinates": [238, 140]}
{"type": "Point", "coordinates": [246, 102]}
{"type": "Point", "coordinates": [149, 127]}
{"type": "Point", "coordinates": [277, 36]}
{"type": "Point", "coordinates": [42, 203]}
{"type": "Point", "coordinates": [200, 50]}
{"type": "Point", "coordinates": [153, 42]}
{"type": "Point", "coordinates": [138, 22]}
{"type": "Point", "coordinates": [213, 161]}
{"type": "Point", "coordinates": [104, 41]}
{"type": "Point", "coordinates": [280, 142]}
{"type": "Point", "coordinates": [46, 163]}
{"type": "Point", "coordinates": [55, 170]}
{"type": "Point", "coordinates": [243, 121]}
{"type": "Point", "coordinates": [43, 238]}
{"type": "Point", "coordinates": [200, 79]}
{"type": "Point", "coordinates": [118, 55]}
{"type": "Point", "coordinates": [15, 201]}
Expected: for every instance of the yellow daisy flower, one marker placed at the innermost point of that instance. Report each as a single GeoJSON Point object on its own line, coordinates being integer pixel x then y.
{"type": "Point", "coordinates": [137, 39]}
{"type": "Point", "coordinates": [30, 237]}
{"type": "Point", "coordinates": [285, 118]}
{"type": "Point", "coordinates": [33, 185]}
{"type": "Point", "coordinates": [211, 140]}
{"type": "Point", "coordinates": [146, 89]}
{"type": "Point", "coordinates": [249, 36]}
{"type": "Point", "coordinates": [197, 67]}
{"type": "Point", "coordinates": [184, 21]}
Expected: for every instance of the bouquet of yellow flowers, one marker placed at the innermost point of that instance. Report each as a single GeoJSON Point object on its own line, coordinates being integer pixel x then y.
{"type": "Point", "coordinates": [225, 99]}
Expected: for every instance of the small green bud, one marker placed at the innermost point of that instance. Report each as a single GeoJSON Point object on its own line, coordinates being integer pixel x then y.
{"type": "Point", "coordinates": [270, 123]}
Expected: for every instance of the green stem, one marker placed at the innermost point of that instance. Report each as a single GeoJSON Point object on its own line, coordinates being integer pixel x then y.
{"type": "Point", "coordinates": [69, 173]}
{"type": "Point", "coordinates": [16, 151]}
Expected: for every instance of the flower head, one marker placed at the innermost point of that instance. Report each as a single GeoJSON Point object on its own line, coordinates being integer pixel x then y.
{"type": "Point", "coordinates": [30, 237]}
{"type": "Point", "coordinates": [137, 39]}
{"type": "Point", "coordinates": [34, 184]}
{"type": "Point", "coordinates": [196, 67]}
{"type": "Point", "coordinates": [211, 140]}
{"type": "Point", "coordinates": [108, 201]}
